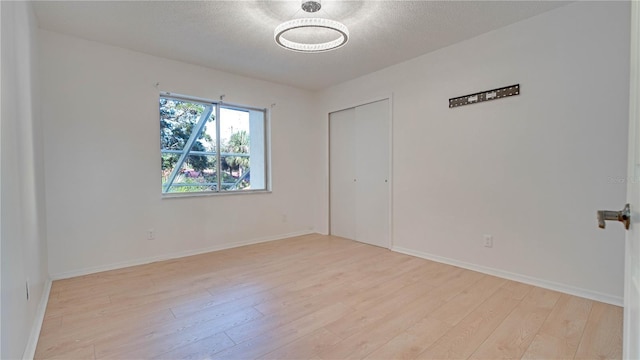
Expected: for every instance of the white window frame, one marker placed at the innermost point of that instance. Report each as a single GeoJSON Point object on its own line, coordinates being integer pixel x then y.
{"type": "Point", "coordinates": [217, 105]}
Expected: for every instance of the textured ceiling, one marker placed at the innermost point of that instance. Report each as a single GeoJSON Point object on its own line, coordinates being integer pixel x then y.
{"type": "Point", "coordinates": [237, 36]}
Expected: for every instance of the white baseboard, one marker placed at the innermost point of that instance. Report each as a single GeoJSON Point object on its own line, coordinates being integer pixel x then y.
{"type": "Point", "coordinates": [567, 289]}
{"type": "Point", "coordinates": [32, 342]}
{"type": "Point", "coordinates": [124, 264]}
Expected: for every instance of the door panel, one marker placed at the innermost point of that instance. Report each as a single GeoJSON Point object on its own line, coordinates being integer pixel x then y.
{"type": "Point", "coordinates": [372, 173]}
{"type": "Point", "coordinates": [342, 164]}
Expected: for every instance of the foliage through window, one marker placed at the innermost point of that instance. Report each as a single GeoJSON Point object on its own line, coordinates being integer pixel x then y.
{"type": "Point", "coordinates": [211, 147]}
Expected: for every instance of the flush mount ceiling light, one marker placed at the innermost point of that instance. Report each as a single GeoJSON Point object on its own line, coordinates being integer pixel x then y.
{"type": "Point", "coordinates": [311, 6]}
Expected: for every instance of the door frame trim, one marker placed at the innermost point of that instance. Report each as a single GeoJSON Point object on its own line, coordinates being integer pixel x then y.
{"type": "Point", "coordinates": [629, 346]}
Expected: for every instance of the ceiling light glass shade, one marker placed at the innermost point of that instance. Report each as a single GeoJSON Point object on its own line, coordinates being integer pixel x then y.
{"type": "Point", "coordinates": [339, 28]}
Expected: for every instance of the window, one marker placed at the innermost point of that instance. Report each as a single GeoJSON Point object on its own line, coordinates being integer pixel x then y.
{"type": "Point", "coordinates": [211, 147]}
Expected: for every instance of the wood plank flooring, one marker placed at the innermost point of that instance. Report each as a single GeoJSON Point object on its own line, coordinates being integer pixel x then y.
{"type": "Point", "coordinates": [318, 297]}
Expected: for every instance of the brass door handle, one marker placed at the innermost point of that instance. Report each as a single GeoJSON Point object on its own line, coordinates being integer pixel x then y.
{"type": "Point", "coordinates": [624, 216]}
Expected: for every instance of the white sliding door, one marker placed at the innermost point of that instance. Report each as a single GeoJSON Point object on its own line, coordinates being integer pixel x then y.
{"type": "Point", "coordinates": [372, 173]}
{"type": "Point", "coordinates": [359, 173]}
{"type": "Point", "coordinates": [342, 157]}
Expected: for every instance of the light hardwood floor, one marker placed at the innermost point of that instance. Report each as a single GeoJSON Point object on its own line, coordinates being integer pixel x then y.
{"type": "Point", "coordinates": [318, 297]}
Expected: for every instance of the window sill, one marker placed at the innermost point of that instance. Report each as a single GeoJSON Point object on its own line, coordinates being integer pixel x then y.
{"type": "Point", "coordinates": [212, 193]}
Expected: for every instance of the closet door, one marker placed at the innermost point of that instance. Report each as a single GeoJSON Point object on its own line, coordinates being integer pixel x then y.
{"type": "Point", "coordinates": [342, 168]}
{"type": "Point", "coordinates": [372, 173]}
{"type": "Point", "coordinates": [359, 173]}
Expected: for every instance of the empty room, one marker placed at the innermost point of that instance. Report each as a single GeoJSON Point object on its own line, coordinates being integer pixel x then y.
{"type": "Point", "coordinates": [320, 179]}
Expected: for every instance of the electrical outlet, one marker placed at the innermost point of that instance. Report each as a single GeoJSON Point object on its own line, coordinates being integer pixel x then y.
{"type": "Point", "coordinates": [284, 218]}
{"type": "Point", "coordinates": [151, 234]}
{"type": "Point", "coordinates": [488, 240]}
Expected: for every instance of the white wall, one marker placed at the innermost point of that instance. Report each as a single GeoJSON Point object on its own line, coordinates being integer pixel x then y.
{"type": "Point", "coordinates": [24, 254]}
{"type": "Point", "coordinates": [531, 170]}
{"type": "Point", "coordinates": [102, 159]}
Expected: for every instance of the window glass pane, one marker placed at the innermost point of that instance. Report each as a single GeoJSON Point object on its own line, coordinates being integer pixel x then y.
{"type": "Point", "coordinates": [178, 119]}
{"type": "Point", "coordinates": [235, 149]}
{"type": "Point", "coordinates": [198, 173]}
